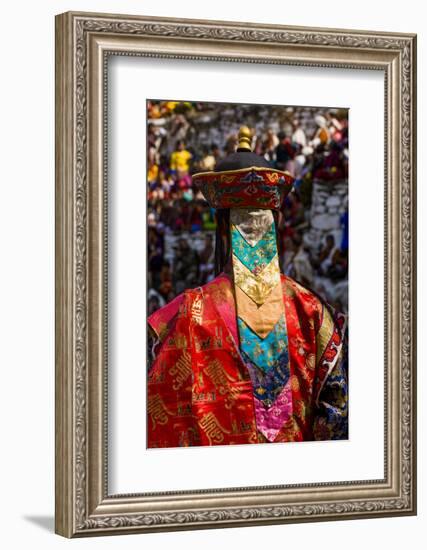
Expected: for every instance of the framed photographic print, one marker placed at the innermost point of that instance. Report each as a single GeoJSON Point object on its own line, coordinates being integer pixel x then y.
{"type": "Point", "coordinates": [235, 274]}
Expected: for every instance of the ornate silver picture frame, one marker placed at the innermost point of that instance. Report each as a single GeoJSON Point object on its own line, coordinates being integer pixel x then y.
{"type": "Point", "coordinates": [84, 43]}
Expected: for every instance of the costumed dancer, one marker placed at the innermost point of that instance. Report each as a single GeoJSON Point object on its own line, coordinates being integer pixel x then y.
{"type": "Point", "coordinates": [252, 356]}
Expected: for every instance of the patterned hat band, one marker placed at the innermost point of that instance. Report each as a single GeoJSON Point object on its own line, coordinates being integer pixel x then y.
{"type": "Point", "coordinates": [252, 187]}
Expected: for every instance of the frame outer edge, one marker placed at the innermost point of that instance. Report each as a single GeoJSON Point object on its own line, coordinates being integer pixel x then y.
{"type": "Point", "coordinates": [73, 483]}
{"type": "Point", "coordinates": [64, 276]}
{"type": "Point", "coordinates": [249, 25]}
{"type": "Point", "coordinates": [415, 267]}
{"type": "Point", "coordinates": [413, 252]}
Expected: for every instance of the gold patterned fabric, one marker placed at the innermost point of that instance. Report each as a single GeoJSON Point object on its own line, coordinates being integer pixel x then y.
{"type": "Point", "coordinates": [258, 288]}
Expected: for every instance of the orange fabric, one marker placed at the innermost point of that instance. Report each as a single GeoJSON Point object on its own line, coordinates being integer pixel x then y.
{"type": "Point", "coordinates": [260, 319]}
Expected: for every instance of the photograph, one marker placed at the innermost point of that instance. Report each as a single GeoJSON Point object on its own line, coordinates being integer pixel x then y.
{"type": "Point", "coordinates": [247, 255]}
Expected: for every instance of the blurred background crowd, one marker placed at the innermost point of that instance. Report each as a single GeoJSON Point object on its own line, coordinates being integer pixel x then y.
{"type": "Point", "coordinates": [188, 137]}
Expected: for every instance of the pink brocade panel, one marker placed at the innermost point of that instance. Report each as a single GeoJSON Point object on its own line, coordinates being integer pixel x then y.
{"type": "Point", "coordinates": [270, 420]}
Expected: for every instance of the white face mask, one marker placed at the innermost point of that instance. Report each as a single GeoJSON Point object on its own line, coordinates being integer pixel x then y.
{"type": "Point", "coordinates": [251, 222]}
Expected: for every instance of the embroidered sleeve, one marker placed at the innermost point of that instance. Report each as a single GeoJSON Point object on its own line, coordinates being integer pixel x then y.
{"type": "Point", "coordinates": [161, 320]}
{"type": "Point", "coordinates": [331, 388]}
{"type": "Point", "coordinates": [170, 420]}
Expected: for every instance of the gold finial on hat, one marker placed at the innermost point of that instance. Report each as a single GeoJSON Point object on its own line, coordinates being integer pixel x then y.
{"type": "Point", "coordinates": [244, 139]}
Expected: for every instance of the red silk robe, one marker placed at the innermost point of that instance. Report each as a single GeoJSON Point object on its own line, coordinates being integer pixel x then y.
{"type": "Point", "coordinates": [200, 391]}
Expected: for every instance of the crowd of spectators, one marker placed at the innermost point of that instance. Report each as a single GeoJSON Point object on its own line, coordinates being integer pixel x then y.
{"type": "Point", "coordinates": [188, 137]}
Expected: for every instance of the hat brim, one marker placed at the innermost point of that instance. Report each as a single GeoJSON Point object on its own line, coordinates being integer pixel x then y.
{"type": "Point", "coordinates": [252, 187]}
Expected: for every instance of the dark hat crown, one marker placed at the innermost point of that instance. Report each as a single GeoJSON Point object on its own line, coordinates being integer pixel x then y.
{"type": "Point", "coordinates": [244, 180]}
{"type": "Point", "coordinates": [241, 159]}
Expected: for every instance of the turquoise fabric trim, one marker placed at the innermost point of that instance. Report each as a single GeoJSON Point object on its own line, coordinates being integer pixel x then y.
{"type": "Point", "coordinates": [264, 353]}
{"type": "Point", "coordinates": [257, 257]}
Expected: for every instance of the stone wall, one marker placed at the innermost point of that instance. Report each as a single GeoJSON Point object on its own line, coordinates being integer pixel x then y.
{"type": "Point", "coordinates": [329, 202]}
